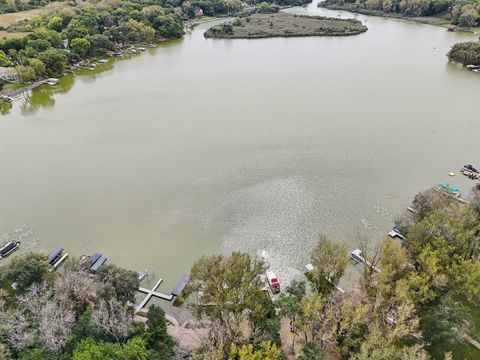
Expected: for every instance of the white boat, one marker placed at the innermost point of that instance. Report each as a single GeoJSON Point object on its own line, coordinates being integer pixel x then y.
{"type": "Point", "coordinates": [273, 282]}
{"type": "Point", "coordinates": [52, 81]}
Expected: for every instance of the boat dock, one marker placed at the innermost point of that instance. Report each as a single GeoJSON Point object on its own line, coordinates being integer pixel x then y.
{"type": "Point", "coordinates": [356, 256]}
{"type": "Point", "coordinates": [149, 293]}
{"type": "Point", "coordinates": [395, 234]}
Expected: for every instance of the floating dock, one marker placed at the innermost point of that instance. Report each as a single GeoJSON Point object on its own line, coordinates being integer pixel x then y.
{"type": "Point", "coordinates": [395, 234]}
{"type": "Point", "coordinates": [152, 293]}
{"type": "Point", "coordinates": [356, 255]}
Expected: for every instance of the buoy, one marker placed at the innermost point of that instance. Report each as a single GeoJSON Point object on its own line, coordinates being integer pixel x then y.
{"type": "Point", "coordinates": [451, 173]}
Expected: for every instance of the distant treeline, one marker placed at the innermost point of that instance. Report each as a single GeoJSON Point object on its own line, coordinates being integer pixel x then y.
{"type": "Point", "coordinates": [464, 13]}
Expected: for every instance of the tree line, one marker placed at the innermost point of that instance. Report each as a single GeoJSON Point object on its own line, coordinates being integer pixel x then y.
{"type": "Point", "coordinates": [464, 13]}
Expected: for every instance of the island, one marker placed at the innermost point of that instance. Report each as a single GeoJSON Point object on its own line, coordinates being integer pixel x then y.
{"type": "Point", "coordinates": [259, 26]}
{"type": "Point", "coordinates": [466, 53]}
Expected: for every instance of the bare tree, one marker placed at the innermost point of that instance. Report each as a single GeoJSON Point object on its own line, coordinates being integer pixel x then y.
{"type": "Point", "coordinates": [55, 323]}
{"type": "Point", "coordinates": [75, 287]}
{"type": "Point", "coordinates": [114, 318]}
{"type": "Point", "coordinates": [16, 330]}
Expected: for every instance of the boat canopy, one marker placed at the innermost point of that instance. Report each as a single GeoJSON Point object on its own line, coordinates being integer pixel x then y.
{"type": "Point", "coordinates": [182, 283]}
{"type": "Point", "coordinates": [7, 248]}
{"type": "Point", "coordinates": [54, 255]}
{"type": "Point", "coordinates": [444, 185]}
{"type": "Point", "coordinates": [101, 260]}
{"type": "Point", "coordinates": [93, 259]}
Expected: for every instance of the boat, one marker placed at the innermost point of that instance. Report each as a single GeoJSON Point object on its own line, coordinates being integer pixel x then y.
{"type": "Point", "coordinates": [54, 255]}
{"type": "Point", "coordinates": [451, 173]}
{"type": "Point", "coordinates": [273, 282]}
{"type": "Point", "coordinates": [101, 260]}
{"type": "Point", "coordinates": [473, 67]}
{"type": "Point", "coordinates": [8, 248]}
{"type": "Point", "coordinates": [451, 188]}
{"type": "Point", "coordinates": [93, 258]}
{"type": "Point", "coordinates": [394, 234]}
{"type": "Point", "coordinates": [470, 168]}
{"type": "Point", "coordinates": [52, 81]}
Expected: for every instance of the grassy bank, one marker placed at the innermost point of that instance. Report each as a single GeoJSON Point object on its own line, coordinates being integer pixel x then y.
{"type": "Point", "coordinates": [284, 25]}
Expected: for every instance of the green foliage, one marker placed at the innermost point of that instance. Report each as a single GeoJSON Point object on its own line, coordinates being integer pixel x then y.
{"type": "Point", "coordinates": [265, 351]}
{"type": "Point", "coordinates": [26, 74]}
{"type": "Point", "coordinates": [465, 53]}
{"type": "Point", "coordinates": [157, 339]}
{"type": "Point", "coordinates": [88, 349]}
{"type": "Point", "coordinates": [24, 271]}
{"type": "Point", "coordinates": [312, 351]}
{"type": "Point", "coordinates": [4, 60]}
{"type": "Point", "coordinates": [119, 283]}
{"type": "Point", "coordinates": [266, 8]}
{"type": "Point", "coordinates": [230, 284]}
{"type": "Point", "coordinates": [330, 261]}
{"type": "Point", "coordinates": [55, 23]}
{"type": "Point", "coordinates": [55, 61]}
{"type": "Point", "coordinates": [80, 46]}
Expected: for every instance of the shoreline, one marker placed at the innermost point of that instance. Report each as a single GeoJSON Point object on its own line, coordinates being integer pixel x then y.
{"type": "Point", "coordinates": [426, 20]}
{"type": "Point", "coordinates": [10, 95]}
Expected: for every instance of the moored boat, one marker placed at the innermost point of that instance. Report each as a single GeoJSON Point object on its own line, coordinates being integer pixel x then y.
{"type": "Point", "coordinates": [8, 248]}
{"type": "Point", "coordinates": [273, 282]}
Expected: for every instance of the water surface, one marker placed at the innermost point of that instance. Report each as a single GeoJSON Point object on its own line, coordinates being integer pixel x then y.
{"type": "Point", "coordinates": [206, 146]}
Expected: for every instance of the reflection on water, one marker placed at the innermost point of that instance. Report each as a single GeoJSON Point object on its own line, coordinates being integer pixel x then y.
{"type": "Point", "coordinates": [44, 96]}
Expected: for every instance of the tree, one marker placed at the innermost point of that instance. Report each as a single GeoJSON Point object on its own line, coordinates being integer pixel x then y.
{"type": "Point", "coordinates": [120, 283]}
{"type": "Point", "coordinates": [80, 46]}
{"type": "Point", "coordinates": [88, 349]}
{"type": "Point", "coordinates": [265, 351]}
{"type": "Point", "coordinates": [25, 270]}
{"type": "Point", "coordinates": [312, 351]}
{"type": "Point", "coordinates": [99, 44]}
{"type": "Point", "coordinates": [227, 293]}
{"type": "Point", "coordinates": [38, 66]}
{"type": "Point", "coordinates": [329, 261]}
{"type": "Point", "coordinates": [157, 338]}
{"type": "Point", "coordinates": [55, 23]}
{"type": "Point", "coordinates": [139, 32]}
{"type": "Point", "coordinates": [467, 280]}
{"type": "Point", "coordinates": [26, 74]}
{"type": "Point", "coordinates": [4, 60]}
{"type": "Point", "coordinates": [114, 318]}
{"type": "Point", "coordinates": [55, 61]}
{"type": "Point", "coordinates": [169, 26]}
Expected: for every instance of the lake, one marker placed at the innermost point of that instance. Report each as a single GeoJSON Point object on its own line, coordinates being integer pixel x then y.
{"type": "Point", "coordinates": [206, 146]}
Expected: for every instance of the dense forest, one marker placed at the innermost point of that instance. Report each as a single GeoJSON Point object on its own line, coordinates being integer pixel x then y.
{"type": "Point", "coordinates": [464, 13]}
{"type": "Point", "coordinates": [416, 300]}
{"type": "Point", "coordinates": [69, 314]}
